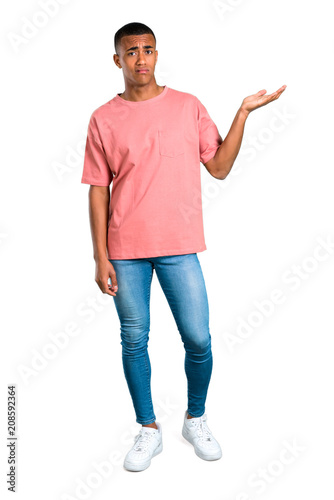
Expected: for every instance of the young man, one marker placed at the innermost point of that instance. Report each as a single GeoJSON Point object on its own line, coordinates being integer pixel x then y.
{"type": "Point", "coordinates": [149, 141]}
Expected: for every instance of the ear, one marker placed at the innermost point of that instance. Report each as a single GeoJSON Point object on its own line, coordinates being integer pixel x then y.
{"type": "Point", "coordinates": [116, 60]}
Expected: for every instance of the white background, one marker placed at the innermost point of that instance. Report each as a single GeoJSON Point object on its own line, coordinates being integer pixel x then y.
{"type": "Point", "coordinates": [271, 385]}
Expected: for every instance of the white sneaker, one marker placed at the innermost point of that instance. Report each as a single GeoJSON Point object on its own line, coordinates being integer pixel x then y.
{"type": "Point", "coordinates": [196, 431]}
{"type": "Point", "coordinates": [148, 444]}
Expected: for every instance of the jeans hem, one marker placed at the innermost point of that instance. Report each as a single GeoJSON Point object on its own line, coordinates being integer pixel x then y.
{"type": "Point", "coordinates": [147, 422]}
{"type": "Point", "coordinates": [194, 416]}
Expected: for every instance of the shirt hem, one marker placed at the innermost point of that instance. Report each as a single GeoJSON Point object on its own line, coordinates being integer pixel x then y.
{"type": "Point", "coordinates": [93, 182]}
{"type": "Point", "coordinates": [162, 253]}
{"type": "Point", "coordinates": [208, 157]}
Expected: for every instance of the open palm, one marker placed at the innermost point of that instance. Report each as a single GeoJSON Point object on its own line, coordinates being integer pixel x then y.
{"type": "Point", "coordinates": [260, 99]}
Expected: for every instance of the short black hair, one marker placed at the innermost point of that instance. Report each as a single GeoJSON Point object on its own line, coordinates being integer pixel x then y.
{"type": "Point", "coordinates": [132, 29]}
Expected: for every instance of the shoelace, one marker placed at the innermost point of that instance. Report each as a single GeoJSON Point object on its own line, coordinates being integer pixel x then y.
{"type": "Point", "coordinates": [203, 430]}
{"type": "Point", "coordinates": [142, 440]}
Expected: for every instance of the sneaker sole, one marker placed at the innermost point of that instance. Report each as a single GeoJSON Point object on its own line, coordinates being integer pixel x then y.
{"type": "Point", "coordinates": [144, 465]}
{"type": "Point", "coordinates": [215, 456]}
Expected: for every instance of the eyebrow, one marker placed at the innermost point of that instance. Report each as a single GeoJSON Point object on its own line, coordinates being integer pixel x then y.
{"type": "Point", "coordinates": [145, 47]}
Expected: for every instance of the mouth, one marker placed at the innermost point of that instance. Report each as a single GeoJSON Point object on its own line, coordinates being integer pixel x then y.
{"type": "Point", "coordinates": [142, 71]}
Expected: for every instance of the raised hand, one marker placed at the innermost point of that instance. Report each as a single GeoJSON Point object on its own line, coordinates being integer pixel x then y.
{"type": "Point", "coordinates": [260, 99]}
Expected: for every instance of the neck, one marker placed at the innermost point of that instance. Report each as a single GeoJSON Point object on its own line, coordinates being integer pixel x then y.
{"type": "Point", "coordinates": [141, 93]}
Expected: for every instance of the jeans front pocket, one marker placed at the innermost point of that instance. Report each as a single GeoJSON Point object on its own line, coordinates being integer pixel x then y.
{"type": "Point", "coordinates": [171, 143]}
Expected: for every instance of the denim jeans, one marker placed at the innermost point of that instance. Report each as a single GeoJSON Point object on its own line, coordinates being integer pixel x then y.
{"type": "Point", "coordinates": [182, 282]}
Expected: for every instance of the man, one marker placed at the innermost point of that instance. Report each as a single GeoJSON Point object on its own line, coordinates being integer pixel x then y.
{"type": "Point", "coordinates": [149, 142]}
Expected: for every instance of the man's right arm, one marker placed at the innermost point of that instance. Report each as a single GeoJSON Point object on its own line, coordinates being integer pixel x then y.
{"type": "Point", "coordinates": [99, 199]}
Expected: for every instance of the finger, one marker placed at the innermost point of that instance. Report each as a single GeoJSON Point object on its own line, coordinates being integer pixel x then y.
{"type": "Point", "coordinates": [112, 287]}
{"type": "Point", "coordinates": [113, 281]}
{"type": "Point", "coordinates": [272, 95]}
{"type": "Point", "coordinates": [277, 92]}
{"type": "Point", "coordinates": [109, 291]}
{"type": "Point", "coordinates": [104, 287]}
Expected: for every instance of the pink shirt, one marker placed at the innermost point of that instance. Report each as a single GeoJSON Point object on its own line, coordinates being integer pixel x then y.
{"type": "Point", "coordinates": [150, 151]}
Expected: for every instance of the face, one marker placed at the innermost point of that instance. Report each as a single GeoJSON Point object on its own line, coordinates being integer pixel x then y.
{"type": "Point", "coordinates": [137, 57]}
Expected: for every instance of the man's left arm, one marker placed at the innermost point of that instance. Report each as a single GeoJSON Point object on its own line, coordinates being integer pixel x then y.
{"type": "Point", "coordinates": [220, 165]}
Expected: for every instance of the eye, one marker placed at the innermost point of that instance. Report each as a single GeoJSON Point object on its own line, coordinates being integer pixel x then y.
{"type": "Point", "coordinates": [148, 50]}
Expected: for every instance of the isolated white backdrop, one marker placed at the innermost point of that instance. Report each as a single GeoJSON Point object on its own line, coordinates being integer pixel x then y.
{"type": "Point", "coordinates": [271, 382]}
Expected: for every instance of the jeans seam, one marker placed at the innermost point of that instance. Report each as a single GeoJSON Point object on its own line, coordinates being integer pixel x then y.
{"type": "Point", "coordinates": [148, 384]}
{"type": "Point", "coordinates": [146, 355]}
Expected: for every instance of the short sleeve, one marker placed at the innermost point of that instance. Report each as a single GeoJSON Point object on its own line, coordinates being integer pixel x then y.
{"type": "Point", "coordinates": [209, 137]}
{"type": "Point", "coordinates": [96, 170]}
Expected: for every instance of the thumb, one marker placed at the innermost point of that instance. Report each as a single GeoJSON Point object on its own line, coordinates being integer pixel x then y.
{"type": "Point", "coordinates": [114, 285]}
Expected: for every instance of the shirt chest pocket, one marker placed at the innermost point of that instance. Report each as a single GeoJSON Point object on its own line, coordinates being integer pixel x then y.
{"type": "Point", "coordinates": [171, 143]}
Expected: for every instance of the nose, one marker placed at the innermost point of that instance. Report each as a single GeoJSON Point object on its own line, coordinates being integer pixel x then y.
{"type": "Point", "coordinates": [141, 57]}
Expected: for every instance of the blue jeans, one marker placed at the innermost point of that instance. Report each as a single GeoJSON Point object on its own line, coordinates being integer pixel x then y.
{"type": "Point", "coordinates": [182, 282]}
